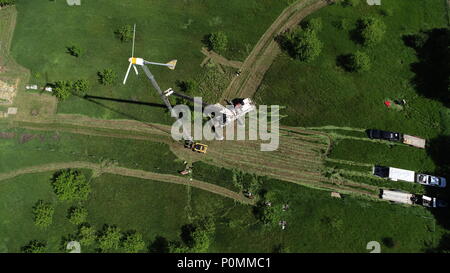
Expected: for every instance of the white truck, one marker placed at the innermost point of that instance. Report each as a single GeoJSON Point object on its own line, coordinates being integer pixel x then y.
{"type": "Point", "coordinates": [396, 174]}
{"type": "Point", "coordinates": [411, 199]}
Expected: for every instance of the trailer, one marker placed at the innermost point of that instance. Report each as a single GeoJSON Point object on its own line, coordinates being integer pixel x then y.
{"type": "Point", "coordinates": [396, 174]}
{"type": "Point", "coordinates": [400, 197]}
{"type": "Point", "coordinates": [397, 197]}
{"type": "Point", "coordinates": [413, 141]}
{"type": "Point", "coordinates": [397, 137]}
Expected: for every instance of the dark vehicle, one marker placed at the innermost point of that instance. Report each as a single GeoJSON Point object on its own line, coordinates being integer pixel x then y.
{"type": "Point", "coordinates": [385, 135]}
{"type": "Point", "coordinates": [381, 171]}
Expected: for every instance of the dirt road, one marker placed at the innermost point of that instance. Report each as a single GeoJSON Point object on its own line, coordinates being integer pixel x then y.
{"type": "Point", "coordinates": [99, 169]}
{"type": "Point", "coordinates": [266, 50]}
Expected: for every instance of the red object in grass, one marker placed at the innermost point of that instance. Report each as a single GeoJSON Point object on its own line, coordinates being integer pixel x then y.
{"type": "Point", "coordinates": [387, 103]}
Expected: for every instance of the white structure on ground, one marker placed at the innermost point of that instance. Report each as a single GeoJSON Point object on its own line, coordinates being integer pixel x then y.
{"type": "Point", "coordinates": [73, 2]}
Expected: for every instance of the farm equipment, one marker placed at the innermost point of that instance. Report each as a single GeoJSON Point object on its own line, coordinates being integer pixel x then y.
{"type": "Point", "coordinates": [221, 115]}
{"type": "Point", "coordinates": [195, 146]}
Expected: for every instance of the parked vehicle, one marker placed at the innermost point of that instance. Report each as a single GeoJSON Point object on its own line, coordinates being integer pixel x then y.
{"type": "Point", "coordinates": [412, 199]}
{"type": "Point", "coordinates": [396, 137]}
{"type": "Point", "coordinates": [396, 174]}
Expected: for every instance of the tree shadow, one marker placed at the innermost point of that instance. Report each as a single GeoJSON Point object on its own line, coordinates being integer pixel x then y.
{"type": "Point", "coordinates": [89, 97]}
{"type": "Point", "coordinates": [343, 61]}
{"type": "Point", "coordinates": [159, 245]}
{"type": "Point", "coordinates": [186, 234]}
{"type": "Point", "coordinates": [432, 71]}
{"type": "Point", "coordinates": [439, 151]}
{"type": "Point", "coordinates": [442, 247]}
{"type": "Point", "coordinates": [206, 41]}
{"type": "Point", "coordinates": [111, 109]}
{"type": "Point", "coordinates": [355, 34]}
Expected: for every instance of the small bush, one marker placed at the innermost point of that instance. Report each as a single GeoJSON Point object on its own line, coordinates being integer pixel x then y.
{"type": "Point", "coordinates": [125, 33]}
{"type": "Point", "coordinates": [35, 246]}
{"type": "Point", "coordinates": [314, 24]}
{"type": "Point", "coordinates": [301, 44]}
{"type": "Point", "coordinates": [133, 243]}
{"type": "Point", "coordinates": [43, 214]}
{"type": "Point", "coordinates": [107, 77]}
{"type": "Point", "coordinates": [217, 41]}
{"type": "Point", "coordinates": [71, 185]}
{"type": "Point", "coordinates": [87, 235]}
{"type": "Point", "coordinates": [80, 87]}
{"type": "Point", "coordinates": [75, 51]}
{"type": "Point", "coordinates": [62, 89]}
{"type": "Point", "coordinates": [356, 62]}
{"type": "Point", "coordinates": [110, 238]}
{"type": "Point", "coordinates": [370, 30]}
{"type": "Point", "coordinates": [77, 215]}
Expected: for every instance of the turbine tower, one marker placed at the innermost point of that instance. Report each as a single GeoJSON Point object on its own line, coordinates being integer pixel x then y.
{"type": "Point", "coordinates": [143, 63]}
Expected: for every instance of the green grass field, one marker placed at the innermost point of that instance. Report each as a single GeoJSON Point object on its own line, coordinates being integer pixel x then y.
{"type": "Point", "coordinates": [321, 93]}
{"type": "Point", "coordinates": [30, 148]}
{"type": "Point", "coordinates": [134, 204]}
{"type": "Point", "coordinates": [318, 94]}
{"type": "Point", "coordinates": [166, 30]}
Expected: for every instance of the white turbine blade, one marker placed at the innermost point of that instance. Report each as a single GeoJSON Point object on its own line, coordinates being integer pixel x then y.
{"type": "Point", "coordinates": [135, 69]}
{"type": "Point", "coordinates": [128, 72]}
{"type": "Point", "coordinates": [134, 36]}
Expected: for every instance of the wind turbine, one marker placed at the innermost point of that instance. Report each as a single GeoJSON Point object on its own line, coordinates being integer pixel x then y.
{"type": "Point", "coordinates": [141, 62]}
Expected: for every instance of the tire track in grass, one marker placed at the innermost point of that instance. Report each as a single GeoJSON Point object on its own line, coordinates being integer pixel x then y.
{"type": "Point", "coordinates": [99, 169]}
{"type": "Point", "coordinates": [266, 49]}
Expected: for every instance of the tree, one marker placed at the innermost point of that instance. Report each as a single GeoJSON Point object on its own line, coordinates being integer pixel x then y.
{"type": "Point", "coordinates": [75, 50]}
{"type": "Point", "coordinates": [107, 76]}
{"type": "Point", "coordinates": [125, 33]}
{"type": "Point", "coordinates": [7, 2]}
{"type": "Point", "coordinates": [302, 44]}
{"type": "Point", "coordinates": [189, 86]}
{"type": "Point", "coordinates": [133, 243]}
{"type": "Point", "coordinates": [314, 24]}
{"type": "Point", "coordinates": [196, 237]}
{"type": "Point", "coordinates": [201, 235]}
{"type": "Point", "coordinates": [218, 42]}
{"type": "Point", "coordinates": [62, 89]}
{"type": "Point", "coordinates": [254, 184]}
{"type": "Point", "coordinates": [80, 87]}
{"type": "Point", "coordinates": [35, 246]}
{"type": "Point", "coordinates": [370, 30]}
{"type": "Point", "coordinates": [109, 238]}
{"type": "Point", "coordinates": [43, 214]}
{"type": "Point", "coordinates": [77, 215]}
{"type": "Point", "coordinates": [177, 247]}
{"type": "Point", "coordinates": [87, 235]}
{"type": "Point", "coordinates": [71, 185]}
{"type": "Point", "coordinates": [356, 62]}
